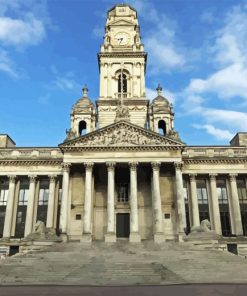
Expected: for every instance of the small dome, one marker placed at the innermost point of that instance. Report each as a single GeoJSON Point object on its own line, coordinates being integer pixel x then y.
{"type": "Point", "coordinates": [84, 101]}
{"type": "Point", "coordinates": [160, 100]}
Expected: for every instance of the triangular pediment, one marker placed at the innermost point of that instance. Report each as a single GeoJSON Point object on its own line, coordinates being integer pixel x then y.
{"type": "Point", "coordinates": [122, 134]}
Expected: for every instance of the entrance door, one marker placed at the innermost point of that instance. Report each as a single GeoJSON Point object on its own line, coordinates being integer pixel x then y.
{"type": "Point", "coordinates": [225, 223]}
{"type": "Point", "coordinates": [123, 225]}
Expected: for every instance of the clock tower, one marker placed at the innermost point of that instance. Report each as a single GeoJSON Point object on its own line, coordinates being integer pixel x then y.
{"type": "Point", "coordinates": [122, 67]}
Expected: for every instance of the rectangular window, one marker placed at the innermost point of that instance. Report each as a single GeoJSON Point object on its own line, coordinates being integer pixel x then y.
{"type": "Point", "coordinates": [23, 197]}
{"type": "Point", "coordinates": [242, 191]}
{"type": "Point", "coordinates": [202, 195]}
{"type": "Point", "coordinates": [122, 192]}
{"type": "Point", "coordinates": [3, 196]}
{"type": "Point", "coordinates": [43, 192]}
{"type": "Point", "coordinates": [222, 192]}
{"type": "Point", "coordinates": [185, 191]}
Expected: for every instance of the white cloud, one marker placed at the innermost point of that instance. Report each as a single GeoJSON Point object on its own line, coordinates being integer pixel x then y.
{"type": "Point", "coordinates": [30, 31]}
{"type": "Point", "coordinates": [6, 65]}
{"type": "Point", "coordinates": [219, 134]}
{"type": "Point", "coordinates": [207, 17]}
{"type": "Point", "coordinates": [65, 83]}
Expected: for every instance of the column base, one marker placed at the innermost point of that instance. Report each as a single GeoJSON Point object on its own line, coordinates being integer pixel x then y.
{"type": "Point", "coordinates": [5, 239]}
{"type": "Point", "coordinates": [110, 237]}
{"type": "Point", "coordinates": [134, 237]}
{"type": "Point", "coordinates": [159, 237]}
{"type": "Point", "coordinates": [86, 238]}
{"type": "Point", "coordinates": [181, 237]}
{"type": "Point", "coordinates": [64, 237]}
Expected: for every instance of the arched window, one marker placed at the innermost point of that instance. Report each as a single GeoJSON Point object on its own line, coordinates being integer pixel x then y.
{"type": "Point", "coordinates": [82, 128]}
{"type": "Point", "coordinates": [120, 81]}
{"type": "Point", "coordinates": [162, 127]}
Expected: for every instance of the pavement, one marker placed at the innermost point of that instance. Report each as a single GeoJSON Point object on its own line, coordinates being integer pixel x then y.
{"type": "Point", "coordinates": [122, 264]}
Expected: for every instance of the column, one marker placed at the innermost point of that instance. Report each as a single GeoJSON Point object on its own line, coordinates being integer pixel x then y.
{"type": "Point", "coordinates": [63, 223]}
{"type": "Point", "coordinates": [9, 208]}
{"type": "Point", "coordinates": [110, 236]}
{"type": "Point", "coordinates": [237, 221]}
{"type": "Point", "coordinates": [51, 202]}
{"type": "Point", "coordinates": [30, 206]}
{"type": "Point", "coordinates": [87, 217]}
{"type": "Point", "coordinates": [194, 201]}
{"type": "Point", "coordinates": [134, 222]}
{"type": "Point", "coordinates": [157, 210]}
{"type": "Point", "coordinates": [215, 211]}
{"type": "Point", "coordinates": [180, 200]}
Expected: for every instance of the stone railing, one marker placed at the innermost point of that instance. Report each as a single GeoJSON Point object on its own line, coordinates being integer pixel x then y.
{"type": "Point", "coordinates": [30, 153]}
{"type": "Point", "coordinates": [214, 152]}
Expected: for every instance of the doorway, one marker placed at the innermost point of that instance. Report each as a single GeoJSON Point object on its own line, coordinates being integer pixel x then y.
{"type": "Point", "coordinates": [123, 225]}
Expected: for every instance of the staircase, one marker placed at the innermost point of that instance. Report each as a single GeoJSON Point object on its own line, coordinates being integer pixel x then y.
{"type": "Point", "coordinates": [122, 263]}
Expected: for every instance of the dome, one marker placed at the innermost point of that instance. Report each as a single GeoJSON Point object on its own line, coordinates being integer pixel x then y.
{"type": "Point", "coordinates": [161, 101]}
{"type": "Point", "coordinates": [84, 101]}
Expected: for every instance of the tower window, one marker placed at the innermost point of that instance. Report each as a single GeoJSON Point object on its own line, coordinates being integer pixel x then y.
{"type": "Point", "coordinates": [82, 128]}
{"type": "Point", "coordinates": [122, 84]}
{"type": "Point", "coordinates": [162, 127]}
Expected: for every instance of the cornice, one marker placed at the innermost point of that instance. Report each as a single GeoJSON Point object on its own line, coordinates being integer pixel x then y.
{"type": "Point", "coordinates": [130, 54]}
{"type": "Point", "coordinates": [215, 160]}
{"type": "Point", "coordinates": [28, 162]}
{"type": "Point", "coordinates": [120, 148]}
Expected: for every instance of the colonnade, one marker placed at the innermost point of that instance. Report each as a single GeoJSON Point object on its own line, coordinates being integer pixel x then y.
{"type": "Point", "coordinates": [12, 203]}
{"type": "Point", "coordinates": [214, 210]}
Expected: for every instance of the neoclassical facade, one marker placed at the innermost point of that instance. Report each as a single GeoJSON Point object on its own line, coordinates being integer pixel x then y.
{"type": "Point", "coordinates": [123, 172]}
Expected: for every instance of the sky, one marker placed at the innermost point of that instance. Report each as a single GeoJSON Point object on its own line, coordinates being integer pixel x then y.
{"type": "Point", "coordinates": [196, 51]}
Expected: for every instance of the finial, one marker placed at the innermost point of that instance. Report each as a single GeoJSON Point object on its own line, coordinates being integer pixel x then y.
{"type": "Point", "coordinates": [84, 91]}
{"type": "Point", "coordinates": [159, 90]}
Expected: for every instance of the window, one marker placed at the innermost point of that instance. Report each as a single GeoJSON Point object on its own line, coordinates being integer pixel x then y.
{"type": "Point", "coordinates": [242, 192]}
{"type": "Point", "coordinates": [122, 192]}
{"type": "Point", "coordinates": [202, 195]}
{"type": "Point", "coordinates": [59, 196]}
{"type": "Point", "coordinates": [3, 197]}
{"type": "Point", "coordinates": [222, 192]}
{"type": "Point", "coordinates": [44, 193]}
{"type": "Point", "coordinates": [23, 197]}
{"type": "Point", "coordinates": [122, 84]}
{"type": "Point", "coordinates": [162, 127]}
{"type": "Point", "coordinates": [185, 192]}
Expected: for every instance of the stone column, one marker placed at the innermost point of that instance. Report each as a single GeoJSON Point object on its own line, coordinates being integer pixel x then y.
{"type": "Point", "coordinates": [134, 222]}
{"type": "Point", "coordinates": [111, 232]}
{"type": "Point", "coordinates": [87, 217]}
{"type": "Point", "coordinates": [157, 209]}
{"type": "Point", "coordinates": [237, 221]}
{"type": "Point", "coordinates": [180, 201]}
{"type": "Point", "coordinates": [215, 223]}
{"type": "Point", "coordinates": [9, 208]}
{"type": "Point", "coordinates": [63, 223]}
{"type": "Point", "coordinates": [51, 202]}
{"type": "Point", "coordinates": [194, 201]}
{"type": "Point", "coordinates": [30, 206]}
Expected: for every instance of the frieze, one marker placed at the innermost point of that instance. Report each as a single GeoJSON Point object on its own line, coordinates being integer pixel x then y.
{"type": "Point", "coordinates": [30, 162]}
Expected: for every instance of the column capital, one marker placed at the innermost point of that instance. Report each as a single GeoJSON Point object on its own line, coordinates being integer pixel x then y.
{"type": "Point", "coordinates": [178, 165]}
{"type": "Point", "coordinates": [232, 177]}
{"type": "Point", "coordinates": [212, 177]}
{"type": "Point", "coordinates": [156, 165]}
{"type": "Point", "coordinates": [89, 165]}
{"type": "Point", "coordinates": [12, 178]}
{"type": "Point", "coordinates": [192, 177]}
{"type": "Point", "coordinates": [133, 165]}
{"type": "Point", "coordinates": [32, 178]}
{"type": "Point", "coordinates": [52, 178]}
{"type": "Point", "coordinates": [66, 166]}
{"type": "Point", "coordinates": [110, 165]}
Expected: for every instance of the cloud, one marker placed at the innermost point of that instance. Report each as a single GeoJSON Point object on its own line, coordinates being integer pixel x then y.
{"type": "Point", "coordinates": [30, 31]}
{"type": "Point", "coordinates": [65, 82]}
{"type": "Point", "coordinates": [7, 65]}
{"type": "Point", "coordinates": [207, 17]}
{"type": "Point", "coordinates": [219, 134]}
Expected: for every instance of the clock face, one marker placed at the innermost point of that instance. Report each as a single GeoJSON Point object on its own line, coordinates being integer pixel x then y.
{"type": "Point", "coordinates": [122, 38]}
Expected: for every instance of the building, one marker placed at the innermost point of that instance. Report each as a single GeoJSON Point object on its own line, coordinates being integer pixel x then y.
{"type": "Point", "coordinates": [123, 171]}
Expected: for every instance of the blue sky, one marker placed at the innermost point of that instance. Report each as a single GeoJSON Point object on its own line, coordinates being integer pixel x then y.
{"type": "Point", "coordinates": [196, 51]}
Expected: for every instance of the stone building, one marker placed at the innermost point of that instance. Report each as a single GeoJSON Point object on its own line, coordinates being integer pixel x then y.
{"type": "Point", "coordinates": [123, 171]}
